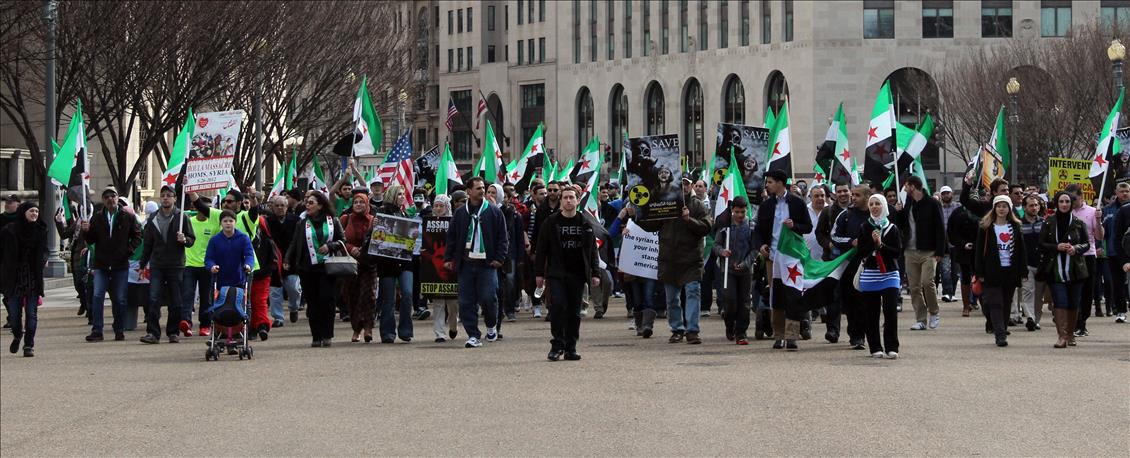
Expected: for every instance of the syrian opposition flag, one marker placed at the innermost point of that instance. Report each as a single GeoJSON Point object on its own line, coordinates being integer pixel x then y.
{"type": "Point", "coordinates": [797, 276]}
{"type": "Point", "coordinates": [447, 174]}
{"type": "Point", "coordinates": [1107, 148]}
{"type": "Point", "coordinates": [521, 171]}
{"type": "Point", "coordinates": [592, 200]}
{"type": "Point", "coordinates": [911, 143]}
{"type": "Point", "coordinates": [770, 118]}
{"type": "Point", "coordinates": [732, 186]}
{"type": "Point", "coordinates": [289, 175]}
{"type": "Point", "coordinates": [843, 169]}
{"type": "Point", "coordinates": [316, 179]}
{"type": "Point", "coordinates": [367, 131]}
{"type": "Point", "coordinates": [174, 173]}
{"type": "Point", "coordinates": [826, 152]}
{"type": "Point", "coordinates": [880, 153]}
{"type": "Point", "coordinates": [999, 141]}
{"type": "Point", "coordinates": [587, 170]}
{"type": "Point", "coordinates": [620, 177]}
{"type": "Point", "coordinates": [780, 143]}
{"type": "Point", "coordinates": [490, 163]}
{"type": "Point", "coordinates": [549, 172]}
{"type": "Point", "coordinates": [71, 168]}
{"type": "Point", "coordinates": [563, 173]}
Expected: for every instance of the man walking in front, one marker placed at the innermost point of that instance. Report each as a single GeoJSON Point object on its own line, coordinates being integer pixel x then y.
{"type": "Point", "coordinates": [925, 235]}
{"type": "Point", "coordinates": [166, 235]}
{"type": "Point", "coordinates": [780, 211]}
{"type": "Point", "coordinates": [115, 236]}
{"type": "Point", "coordinates": [567, 255]}
{"type": "Point", "coordinates": [476, 249]}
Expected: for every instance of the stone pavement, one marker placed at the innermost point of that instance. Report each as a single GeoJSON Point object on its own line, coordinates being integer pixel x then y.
{"type": "Point", "coordinates": [952, 393]}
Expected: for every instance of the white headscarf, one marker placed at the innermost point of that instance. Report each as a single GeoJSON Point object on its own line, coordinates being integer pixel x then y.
{"type": "Point", "coordinates": [498, 193]}
{"type": "Point", "coordinates": [446, 201]}
{"type": "Point", "coordinates": [882, 221]}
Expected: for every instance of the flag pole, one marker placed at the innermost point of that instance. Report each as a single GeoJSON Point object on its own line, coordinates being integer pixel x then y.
{"type": "Point", "coordinates": [895, 145]}
{"type": "Point", "coordinates": [492, 115]}
{"type": "Point", "coordinates": [792, 171]}
{"type": "Point", "coordinates": [726, 263]}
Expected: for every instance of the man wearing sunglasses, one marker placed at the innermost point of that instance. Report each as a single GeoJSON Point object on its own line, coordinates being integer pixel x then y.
{"type": "Point", "coordinates": [114, 236]}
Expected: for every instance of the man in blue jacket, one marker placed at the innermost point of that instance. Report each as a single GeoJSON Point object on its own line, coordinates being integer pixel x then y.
{"type": "Point", "coordinates": [476, 248]}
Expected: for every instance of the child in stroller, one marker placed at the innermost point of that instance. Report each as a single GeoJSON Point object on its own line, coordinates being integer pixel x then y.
{"type": "Point", "coordinates": [229, 257]}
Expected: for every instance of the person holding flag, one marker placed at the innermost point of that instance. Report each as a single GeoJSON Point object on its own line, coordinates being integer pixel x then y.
{"type": "Point", "coordinates": [780, 211]}
{"type": "Point", "coordinates": [115, 236]}
{"type": "Point", "coordinates": [921, 220]}
{"type": "Point", "coordinates": [165, 237]}
{"type": "Point", "coordinates": [734, 249]}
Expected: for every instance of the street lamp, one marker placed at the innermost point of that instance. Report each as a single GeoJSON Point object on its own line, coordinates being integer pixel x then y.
{"type": "Point", "coordinates": [403, 98]}
{"type": "Point", "coordinates": [55, 267]}
{"type": "Point", "coordinates": [1013, 89]}
{"type": "Point", "coordinates": [1116, 53]}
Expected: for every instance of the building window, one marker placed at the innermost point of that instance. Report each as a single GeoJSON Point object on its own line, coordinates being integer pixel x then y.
{"type": "Point", "coordinates": [436, 53]}
{"type": "Point", "coordinates": [778, 92]}
{"type": "Point", "coordinates": [996, 18]}
{"type": "Point", "coordinates": [450, 60]}
{"type": "Point", "coordinates": [592, 31]}
{"type": "Point", "coordinates": [1114, 12]}
{"type": "Point", "coordinates": [692, 123]}
{"type": "Point", "coordinates": [433, 96]}
{"type": "Point", "coordinates": [541, 10]}
{"type": "Point", "coordinates": [703, 32]}
{"type": "Point", "coordinates": [664, 27]}
{"type": "Point", "coordinates": [723, 24]}
{"type": "Point", "coordinates": [470, 58]}
{"type": "Point", "coordinates": [470, 21]}
{"type": "Point", "coordinates": [459, 21]}
{"type": "Point", "coordinates": [788, 20]}
{"type": "Point", "coordinates": [655, 109]}
{"type": "Point", "coordinates": [619, 120]}
{"type": "Point", "coordinates": [530, 51]}
{"type": "Point", "coordinates": [627, 30]}
{"type": "Point", "coordinates": [937, 19]}
{"type": "Point", "coordinates": [533, 109]}
{"type": "Point", "coordinates": [461, 128]}
{"type": "Point", "coordinates": [6, 169]}
{"type": "Point", "coordinates": [684, 28]}
{"type": "Point", "coordinates": [611, 31]}
{"type": "Point", "coordinates": [521, 52]}
{"type": "Point", "coordinates": [450, 22]}
{"type": "Point", "coordinates": [490, 18]}
{"type": "Point", "coordinates": [541, 50]}
{"type": "Point", "coordinates": [435, 12]}
{"type": "Point", "coordinates": [490, 54]}
{"type": "Point", "coordinates": [647, 28]}
{"type": "Point", "coordinates": [584, 118]}
{"type": "Point", "coordinates": [459, 53]}
{"type": "Point", "coordinates": [530, 10]}
{"type": "Point", "coordinates": [766, 23]}
{"type": "Point", "coordinates": [576, 31]}
{"type": "Point", "coordinates": [743, 33]}
{"type": "Point", "coordinates": [1055, 18]}
{"type": "Point", "coordinates": [878, 19]}
{"type": "Point", "coordinates": [733, 106]}
{"type": "Point", "coordinates": [520, 12]}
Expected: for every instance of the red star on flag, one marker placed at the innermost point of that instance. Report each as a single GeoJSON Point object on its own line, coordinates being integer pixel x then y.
{"type": "Point", "coordinates": [171, 180]}
{"type": "Point", "coordinates": [819, 176]}
{"type": "Point", "coordinates": [793, 273]}
{"type": "Point", "coordinates": [726, 194]}
{"type": "Point", "coordinates": [514, 175]}
{"type": "Point", "coordinates": [776, 150]}
{"type": "Point", "coordinates": [585, 163]}
{"type": "Point", "coordinates": [846, 155]}
{"type": "Point", "coordinates": [871, 133]}
{"type": "Point", "coordinates": [1099, 160]}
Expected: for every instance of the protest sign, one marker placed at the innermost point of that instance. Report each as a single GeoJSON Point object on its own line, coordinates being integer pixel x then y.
{"type": "Point", "coordinates": [639, 252]}
{"type": "Point", "coordinates": [214, 143]}
{"type": "Point", "coordinates": [425, 169]}
{"type": "Point", "coordinates": [394, 237]}
{"type": "Point", "coordinates": [751, 148]}
{"type": "Point", "coordinates": [436, 281]}
{"type": "Point", "coordinates": [1062, 172]}
{"type": "Point", "coordinates": [654, 175]}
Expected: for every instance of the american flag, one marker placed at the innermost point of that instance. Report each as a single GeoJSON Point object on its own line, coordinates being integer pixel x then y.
{"type": "Point", "coordinates": [479, 111]}
{"type": "Point", "coordinates": [397, 166]}
{"type": "Point", "coordinates": [451, 113]}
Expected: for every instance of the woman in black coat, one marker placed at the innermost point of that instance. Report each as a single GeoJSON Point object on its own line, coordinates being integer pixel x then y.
{"type": "Point", "coordinates": [22, 257]}
{"type": "Point", "coordinates": [1001, 266]}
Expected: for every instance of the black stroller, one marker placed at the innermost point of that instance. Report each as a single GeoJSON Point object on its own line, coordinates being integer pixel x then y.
{"type": "Point", "coordinates": [230, 309]}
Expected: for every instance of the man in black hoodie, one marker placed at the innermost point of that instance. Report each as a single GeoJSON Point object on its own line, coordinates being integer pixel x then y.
{"type": "Point", "coordinates": [566, 253]}
{"type": "Point", "coordinates": [845, 235]}
{"type": "Point", "coordinates": [163, 254]}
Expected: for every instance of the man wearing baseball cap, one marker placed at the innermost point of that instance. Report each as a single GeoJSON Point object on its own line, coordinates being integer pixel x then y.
{"type": "Point", "coordinates": [949, 274]}
{"type": "Point", "coordinates": [113, 237]}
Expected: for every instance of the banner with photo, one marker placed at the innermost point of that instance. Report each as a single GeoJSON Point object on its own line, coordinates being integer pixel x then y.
{"type": "Point", "coordinates": [654, 175]}
{"type": "Point", "coordinates": [214, 142]}
{"type": "Point", "coordinates": [394, 237]}
{"type": "Point", "coordinates": [435, 281]}
{"type": "Point", "coordinates": [751, 148]}
{"type": "Point", "coordinates": [426, 166]}
{"type": "Point", "coordinates": [639, 252]}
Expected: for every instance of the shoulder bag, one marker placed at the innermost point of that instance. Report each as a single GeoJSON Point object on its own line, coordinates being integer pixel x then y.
{"type": "Point", "coordinates": [339, 263]}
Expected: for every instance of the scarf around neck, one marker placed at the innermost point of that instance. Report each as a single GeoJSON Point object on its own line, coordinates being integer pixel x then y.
{"type": "Point", "coordinates": [314, 241]}
{"type": "Point", "coordinates": [475, 248]}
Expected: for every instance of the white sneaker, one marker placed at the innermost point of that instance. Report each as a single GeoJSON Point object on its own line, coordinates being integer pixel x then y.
{"type": "Point", "coordinates": [473, 342]}
{"type": "Point", "coordinates": [935, 320]}
{"type": "Point", "coordinates": [919, 326]}
{"type": "Point", "coordinates": [492, 335]}
{"type": "Point", "coordinates": [632, 324]}
{"type": "Point", "coordinates": [877, 355]}
{"type": "Point", "coordinates": [1121, 318]}
{"type": "Point", "coordinates": [892, 355]}
{"type": "Point", "coordinates": [584, 312]}
{"type": "Point", "coordinates": [537, 311]}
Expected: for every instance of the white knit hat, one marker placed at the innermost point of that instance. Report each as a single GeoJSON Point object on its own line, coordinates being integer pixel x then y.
{"type": "Point", "coordinates": [1002, 198]}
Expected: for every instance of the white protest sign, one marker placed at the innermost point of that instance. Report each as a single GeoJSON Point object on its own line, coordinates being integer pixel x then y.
{"type": "Point", "coordinates": [213, 149]}
{"type": "Point", "coordinates": [639, 252]}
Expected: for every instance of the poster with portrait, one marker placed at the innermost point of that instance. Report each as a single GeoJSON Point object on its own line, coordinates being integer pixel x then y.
{"type": "Point", "coordinates": [425, 169]}
{"type": "Point", "coordinates": [214, 142]}
{"type": "Point", "coordinates": [1121, 162]}
{"type": "Point", "coordinates": [435, 281]}
{"type": "Point", "coordinates": [394, 237]}
{"type": "Point", "coordinates": [653, 177]}
{"type": "Point", "coordinates": [751, 149]}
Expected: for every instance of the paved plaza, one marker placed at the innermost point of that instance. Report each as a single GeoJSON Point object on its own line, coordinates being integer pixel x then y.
{"type": "Point", "coordinates": [953, 393]}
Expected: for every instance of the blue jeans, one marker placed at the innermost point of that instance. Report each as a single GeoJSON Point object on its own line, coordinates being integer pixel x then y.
{"type": "Point", "coordinates": [387, 300]}
{"type": "Point", "coordinates": [675, 311]}
{"type": "Point", "coordinates": [293, 291]}
{"type": "Point", "coordinates": [1067, 295]}
{"type": "Point", "coordinates": [478, 286]}
{"type": "Point", "coordinates": [196, 280]}
{"type": "Point", "coordinates": [116, 281]}
{"type": "Point", "coordinates": [948, 272]}
{"type": "Point", "coordinates": [642, 294]}
{"type": "Point", "coordinates": [17, 305]}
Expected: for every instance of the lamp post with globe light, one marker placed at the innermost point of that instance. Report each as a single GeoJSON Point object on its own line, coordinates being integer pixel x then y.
{"type": "Point", "coordinates": [1013, 89]}
{"type": "Point", "coordinates": [1116, 53]}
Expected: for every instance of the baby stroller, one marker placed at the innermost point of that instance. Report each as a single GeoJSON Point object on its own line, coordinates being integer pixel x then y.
{"type": "Point", "coordinates": [229, 309]}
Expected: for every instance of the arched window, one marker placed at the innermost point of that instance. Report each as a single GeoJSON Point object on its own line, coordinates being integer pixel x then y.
{"type": "Point", "coordinates": [733, 101]}
{"type": "Point", "coordinates": [692, 122]}
{"type": "Point", "coordinates": [776, 91]}
{"type": "Point", "coordinates": [584, 118]}
{"type": "Point", "coordinates": [654, 110]}
{"type": "Point", "coordinates": [618, 117]}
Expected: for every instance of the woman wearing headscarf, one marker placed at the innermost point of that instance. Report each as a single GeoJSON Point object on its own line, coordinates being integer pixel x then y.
{"type": "Point", "coordinates": [23, 256]}
{"type": "Point", "coordinates": [1063, 242]}
{"type": "Point", "coordinates": [880, 245]}
{"type": "Point", "coordinates": [392, 272]}
{"type": "Point", "coordinates": [357, 292]}
{"type": "Point", "coordinates": [1000, 267]}
{"type": "Point", "coordinates": [445, 310]}
{"type": "Point", "coordinates": [314, 236]}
